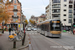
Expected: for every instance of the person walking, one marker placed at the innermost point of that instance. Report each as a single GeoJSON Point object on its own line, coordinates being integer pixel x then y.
{"type": "Point", "coordinates": [9, 31]}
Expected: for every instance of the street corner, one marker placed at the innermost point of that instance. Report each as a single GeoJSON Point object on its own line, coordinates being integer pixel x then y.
{"type": "Point", "coordinates": [22, 48]}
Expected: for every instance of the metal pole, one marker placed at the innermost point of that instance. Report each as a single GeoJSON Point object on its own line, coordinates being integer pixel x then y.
{"type": "Point", "coordinates": [14, 44]}
{"type": "Point", "coordinates": [23, 40]}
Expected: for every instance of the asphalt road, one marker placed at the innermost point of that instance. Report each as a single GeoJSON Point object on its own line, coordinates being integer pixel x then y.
{"type": "Point", "coordinates": [40, 42]}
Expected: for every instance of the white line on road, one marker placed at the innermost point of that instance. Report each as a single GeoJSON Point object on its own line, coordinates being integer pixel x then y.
{"type": "Point", "coordinates": [68, 48]}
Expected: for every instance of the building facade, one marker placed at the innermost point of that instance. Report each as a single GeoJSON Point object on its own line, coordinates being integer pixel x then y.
{"type": "Point", "coordinates": [47, 12]}
{"type": "Point", "coordinates": [38, 19]}
{"type": "Point", "coordinates": [42, 18]}
{"type": "Point", "coordinates": [63, 10]}
{"type": "Point", "coordinates": [15, 13]}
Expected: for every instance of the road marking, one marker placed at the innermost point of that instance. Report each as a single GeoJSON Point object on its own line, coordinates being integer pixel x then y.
{"type": "Point", "coordinates": [56, 43]}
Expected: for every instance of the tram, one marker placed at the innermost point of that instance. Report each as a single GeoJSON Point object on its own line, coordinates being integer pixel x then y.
{"type": "Point", "coordinates": [50, 28]}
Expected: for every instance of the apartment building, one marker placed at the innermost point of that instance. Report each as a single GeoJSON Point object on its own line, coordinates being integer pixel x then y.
{"type": "Point", "coordinates": [47, 12]}
{"type": "Point", "coordinates": [63, 10]}
{"type": "Point", "coordinates": [42, 18]}
{"type": "Point", "coordinates": [15, 13]}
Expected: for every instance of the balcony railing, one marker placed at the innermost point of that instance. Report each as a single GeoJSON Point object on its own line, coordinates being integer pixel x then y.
{"type": "Point", "coordinates": [15, 9]}
{"type": "Point", "coordinates": [56, 15]}
{"type": "Point", "coordinates": [15, 16]}
{"type": "Point", "coordinates": [70, 16]}
{"type": "Point", "coordinates": [56, 1]}
{"type": "Point", "coordinates": [56, 12]}
{"type": "Point", "coordinates": [55, 6]}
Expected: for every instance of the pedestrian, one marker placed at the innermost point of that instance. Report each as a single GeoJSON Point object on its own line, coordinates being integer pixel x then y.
{"type": "Point", "coordinates": [9, 31]}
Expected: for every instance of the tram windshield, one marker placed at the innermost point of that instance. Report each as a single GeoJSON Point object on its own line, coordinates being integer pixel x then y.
{"type": "Point", "coordinates": [55, 27]}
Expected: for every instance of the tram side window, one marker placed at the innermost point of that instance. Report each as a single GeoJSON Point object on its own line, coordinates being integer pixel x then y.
{"type": "Point", "coordinates": [47, 27]}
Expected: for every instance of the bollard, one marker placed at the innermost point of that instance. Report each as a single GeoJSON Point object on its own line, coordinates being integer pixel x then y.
{"type": "Point", "coordinates": [3, 31]}
{"type": "Point", "coordinates": [14, 44]}
{"type": "Point", "coordinates": [23, 40]}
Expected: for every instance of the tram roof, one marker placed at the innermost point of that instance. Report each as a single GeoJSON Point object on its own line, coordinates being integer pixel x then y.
{"type": "Point", "coordinates": [46, 21]}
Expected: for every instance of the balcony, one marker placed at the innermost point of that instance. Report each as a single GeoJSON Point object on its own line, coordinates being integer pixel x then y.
{"type": "Point", "coordinates": [70, 1]}
{"type": "Point", "coordinates": [56, 11]}
{"type": "Point", "coordinates": [56, 1]}
{"type": "Point", "coordinates": [56, 15]}
{"type": "Point", "coordinates": [55, 6]}
{"type": "Point", "coordinates": [15, 16]}
{"type": "Point", "coordinates": [15, 9]}
{"type": "Point", "coordinates": [74, 13]}
{"type": "Point", "coordinates": [70, 15]}
{"type": "Point", "coordinates": [70, 11]}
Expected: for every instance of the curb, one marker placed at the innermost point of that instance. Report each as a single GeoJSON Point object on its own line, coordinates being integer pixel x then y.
{"type": "Point", "coordinates": [23, 47]}
{"type": "Point", "coordinates": [0, 34]}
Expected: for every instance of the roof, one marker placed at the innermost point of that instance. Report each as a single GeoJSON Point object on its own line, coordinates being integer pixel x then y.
{"type": "Point", "coordinates": [46, 21]}
{"type": "Point", "coordinates": [43, 15]}
{"type": "Point", "coordinates": [12, 1]}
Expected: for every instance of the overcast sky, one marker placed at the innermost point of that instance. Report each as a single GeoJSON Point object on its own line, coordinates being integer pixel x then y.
{"type": "Point", "coordinates": [33, 7]}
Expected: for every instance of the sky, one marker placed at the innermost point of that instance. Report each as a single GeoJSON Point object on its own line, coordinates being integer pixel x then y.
{"type": "Point", "coordinates": [33, 7]}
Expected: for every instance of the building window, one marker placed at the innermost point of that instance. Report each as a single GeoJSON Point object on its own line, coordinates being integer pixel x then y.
{"type": "Point", "coordinates": [14, 1]}
{"type": "Point", "coordinates": [15, 19]}
{"type": "Point", "coordinates": [70, 11]}
{"type": "Point", "coordinates": [56, 11]}
{"type": "Point", "coordinates": [56, 1]}
{"type": "Point", "coordinates": [70, 1]}
{"type": "Point", "coordinates": [70, 15]}
{"type": "Point", "coordinates": [15, 6]}
{"type": "Point", "coordinates": [56, 6]}
{"type": "Point", "coordinates": [70, 6]}
{"type": "Point", "coordinates": [70, 20]}
{"type": "Point", "coordinates": [64, 9]}
{"type": "Point", "coordinates": [64, 14]}
{"type": "Point", "coordinates": [15, 14]}
{"type": "Point", "coordinates": [65, 0]}
{"type": "Point", "coordinates": [64, 5]}
{"type": "Point", "coordinates": [64, 19]}
{"type": "Point", "coordinates": [56, 15]}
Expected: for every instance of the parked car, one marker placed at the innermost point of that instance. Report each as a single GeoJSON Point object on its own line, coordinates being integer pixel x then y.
{"type": "Point", "coordinates": [34, 29]}
{"type": "Point", "coordinates": [28, 29]}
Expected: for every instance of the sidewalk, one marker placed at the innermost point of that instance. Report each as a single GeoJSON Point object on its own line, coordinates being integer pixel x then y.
{"type": "Point", "coordinates": [5, 44]}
